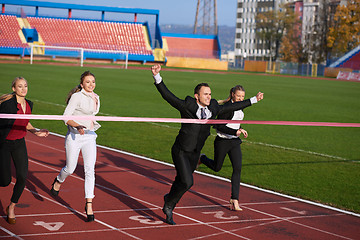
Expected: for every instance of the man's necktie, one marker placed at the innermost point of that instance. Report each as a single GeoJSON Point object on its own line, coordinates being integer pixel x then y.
{"type": "Point", "coordinates": [203, 114]}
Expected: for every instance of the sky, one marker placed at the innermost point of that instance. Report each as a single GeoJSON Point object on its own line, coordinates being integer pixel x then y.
{"type": "Point", "coordinates": [171, 11]}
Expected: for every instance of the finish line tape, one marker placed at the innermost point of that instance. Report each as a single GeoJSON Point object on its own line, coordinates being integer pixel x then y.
{"type": "Point", "coordinates": [174, 120]}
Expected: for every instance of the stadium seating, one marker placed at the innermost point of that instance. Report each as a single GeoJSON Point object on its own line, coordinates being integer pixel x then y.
{"type": "Point", "coordinates": [92, 34]}
{"type": "Point", "coordinates": [353, 62]}
{"type": "Point", "coordinates": [9, 28]}
{"type": "Point", "coordinates": [192, 47]}
{"type": "Point", "coordinates": [101, 35]}
{"type": "Point", "coordinates": [77, 33]}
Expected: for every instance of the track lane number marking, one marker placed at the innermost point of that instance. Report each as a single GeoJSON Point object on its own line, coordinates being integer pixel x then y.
{"type": "Point", "coordinates": [53, 226]}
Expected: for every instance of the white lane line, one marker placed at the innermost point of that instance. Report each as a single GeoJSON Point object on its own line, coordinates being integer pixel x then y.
{"type": "Point", "coordinates": [137, 199]}
{"type": "Point", "coordinates": [303, 225]}
{"type": "Point", "coordinates": [156, 208]}
{"type": "Point", "coordinates": [270, 145]}
{"type": "Point", "coordinates": [271, 220]}
{"type": "Point", "coordinates": [71, 209]}
{"type": "Point", "coordinates": [187, 207]}
{"type": "Point", "coordinates": [243, 184]}
{"type": "Point", "coordinates": [295, 150]}
{"type": "Point", "coordinates": [294, 211]}
{"type": "Point", "coordinates": [142, 201]}
{"type": "Point", "coordinates": [233, 230]}
{"type": "Point", "coordinates": [62, 233]}
{"type": "Point", "coordinates": [201, 193]}
{"type": "Point", "coordinates": [11, 234]}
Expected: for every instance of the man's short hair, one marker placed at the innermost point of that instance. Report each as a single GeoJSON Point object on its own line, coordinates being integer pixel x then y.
{"type": "Point", "coordinates": [197, 88]}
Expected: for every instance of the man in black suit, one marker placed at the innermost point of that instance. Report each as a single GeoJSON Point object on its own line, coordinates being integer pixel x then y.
{"type": "Point", "coordinates": [191, 138]}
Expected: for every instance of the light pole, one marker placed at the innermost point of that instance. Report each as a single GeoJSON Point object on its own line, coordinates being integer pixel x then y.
{"type": "Point", "coordinates": [271, 53]}
{"type": "Point", "coordinates": [243, 60]}
{"type": "Point", "coordinates": [310, 52]}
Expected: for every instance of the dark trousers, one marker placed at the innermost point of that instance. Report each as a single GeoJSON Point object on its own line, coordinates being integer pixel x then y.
{"type": "Point", "coordinates": [15, 149]}
{"type": "Point", "coordinates": [222, 147]}
{"type": "Point", "coordinates": [185, 164]}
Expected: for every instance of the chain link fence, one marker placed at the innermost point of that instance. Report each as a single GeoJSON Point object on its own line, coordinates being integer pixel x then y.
{"type": "Point", "coordinates": [284, 67]}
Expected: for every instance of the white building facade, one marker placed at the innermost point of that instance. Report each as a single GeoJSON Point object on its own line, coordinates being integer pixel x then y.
{"type": "Point", "coordinates": [247, 43]}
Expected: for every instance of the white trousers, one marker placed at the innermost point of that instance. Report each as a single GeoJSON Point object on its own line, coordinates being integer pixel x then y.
{"type": "Point", "coordinates": [75, 142]}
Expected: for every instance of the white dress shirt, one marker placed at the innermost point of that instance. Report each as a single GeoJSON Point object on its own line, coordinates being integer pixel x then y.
{"type": "Point", "coordinates": [157, 78]}
{"type": "Point", "coordinates": [238, 115]}
{"type": "Point", "coordinates": [207, 112]}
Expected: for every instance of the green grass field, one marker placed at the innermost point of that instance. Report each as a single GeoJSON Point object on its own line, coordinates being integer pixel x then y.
{"type": "Point", "coordinates": [317, 163]}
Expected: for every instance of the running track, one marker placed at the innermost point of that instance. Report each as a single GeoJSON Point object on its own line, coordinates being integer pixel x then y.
{"type": "Point", "coordinates": [129, 198]}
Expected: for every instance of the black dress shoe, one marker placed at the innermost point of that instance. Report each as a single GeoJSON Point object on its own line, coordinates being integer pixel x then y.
{"type": "Point", "coordinates": [89, 217]}
{"type": "Point", "coordinates": [168, 211]}
{"type": "Point", "coordinates": [52, 190]}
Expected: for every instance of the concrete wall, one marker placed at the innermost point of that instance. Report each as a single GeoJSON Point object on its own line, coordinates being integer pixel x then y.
{"type": "Point", "coordinates": [199, 63]}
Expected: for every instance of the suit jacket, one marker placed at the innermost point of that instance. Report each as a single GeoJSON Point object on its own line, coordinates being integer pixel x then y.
{"type": "Point", "coordinates": [192, 136]}
{"type": "Point", "coordinates": [9, 107]}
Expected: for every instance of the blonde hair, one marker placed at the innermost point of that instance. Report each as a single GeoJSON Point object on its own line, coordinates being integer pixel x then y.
{"type": "Point", "coordinates": [78, 87]}
{"type": "Point", "coordinates": [8, 96]}
{"type": "Point", "coordinates": [232, 91]}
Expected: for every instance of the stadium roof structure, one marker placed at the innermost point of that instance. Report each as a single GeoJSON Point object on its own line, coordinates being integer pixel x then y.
{"type": "Point", "coordinates": [80, 7]}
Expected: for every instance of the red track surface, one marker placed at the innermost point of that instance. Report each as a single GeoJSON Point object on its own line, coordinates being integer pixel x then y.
{"type": "Point", "coordinates": [129, 197]}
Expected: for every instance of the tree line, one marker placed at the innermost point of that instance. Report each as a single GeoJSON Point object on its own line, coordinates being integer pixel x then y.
{"type": "Point", "coordinates": [330, 35]}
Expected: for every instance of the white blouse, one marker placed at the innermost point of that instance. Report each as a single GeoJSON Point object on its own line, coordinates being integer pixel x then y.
{"type": "Point", "coordinates": [83, 104]}
{"type": "Point", "coordinates": [238, 115]}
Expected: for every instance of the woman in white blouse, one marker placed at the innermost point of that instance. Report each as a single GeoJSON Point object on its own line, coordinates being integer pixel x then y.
{"type": "Point", "coordinates": [82, 101]}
